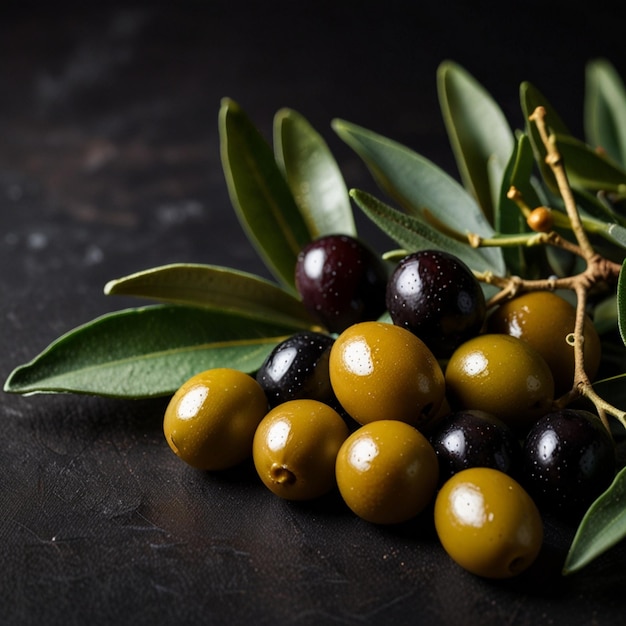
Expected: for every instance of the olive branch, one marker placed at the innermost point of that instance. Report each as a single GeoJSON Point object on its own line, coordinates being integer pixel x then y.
{"type": "Point", "coordinates": [598, 270]}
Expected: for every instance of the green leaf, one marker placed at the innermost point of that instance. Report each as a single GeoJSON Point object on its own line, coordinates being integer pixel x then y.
{"type": "Point", "coordinates": [146, 352]}
{"type": "Point", "coordinates": [477, 129]}
{"type": "Point", "coordinates": [520, 173]}
{"type": "Point", "coordinates": [605, 110]}
{"type": "Point", "coordinates": [215, 287]}
{"type": "Point", "coordinates": [621, 302]}
{"type": "Point", "coordinates": [413, 234]}
{"type": "Point", "coordinates": [602, 527]}
{"type": "Point", "coordinates": [260, 195]}
{"type": "Point", "coordinates": [508, 217]}
{"type": "Point", "coordinates": [586, 169]}
{"type": "Point", "coordinates": [531, 98]}
{"type": "Point", "coordinates": [419, 186]}
{"type": "Point", "coordinates": [313, 175]}
{"type": "Point", "coordinates": [614, 233]}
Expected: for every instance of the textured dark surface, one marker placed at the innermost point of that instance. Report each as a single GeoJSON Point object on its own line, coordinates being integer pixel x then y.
{"type": "Point", "coordinates": [109, 163]}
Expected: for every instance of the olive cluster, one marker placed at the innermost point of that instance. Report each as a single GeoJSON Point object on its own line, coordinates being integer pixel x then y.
{"type": "Point", "coordinates": [447, 406]}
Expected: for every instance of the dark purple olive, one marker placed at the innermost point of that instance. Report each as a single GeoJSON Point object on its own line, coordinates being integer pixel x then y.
{"type": "Point", "coordinates": [341, 281]}
{"type": "Point", "coordinates": [475, 439]}
{"type": "Point", "coordinates": [435, 295]}
{"type": "Point", "coordinates": [568, 461]}
{"type": "Point", "coordinates": [297, 369]}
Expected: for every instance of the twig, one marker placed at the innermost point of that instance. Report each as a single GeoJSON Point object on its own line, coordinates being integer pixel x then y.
{"type": "Point", "coordinates": [555, 161]}
{"type": "Point", "coordinates": [597, 270]}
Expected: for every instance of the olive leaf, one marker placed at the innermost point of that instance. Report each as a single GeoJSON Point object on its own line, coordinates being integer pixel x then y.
{"type": "Point", "coordinates": [215, 287]}
{"type": "Point", "coordinates": [259, 193]}
{"type": "Point", "coordinates": [478, 132]}
{"type": "Point", "coordinates": [621, 302]}
{"type": "Point", "coordinates": [146, 352]}
{"type": "Point", "coordinates": [586, 169]}
{"type": "Point", "coordinates": [588, 203]}
{"type": "Point", "coordinates": [421, 188]}
{"type": "Point", "coordinates": [414, 234]}
{"type": "Point", "coordinates": [313, 175]}
{"type": "Point", "coordinates": [602, 527]}
{"type": "Point", "coordinates": [531, 98]}
{"type": "Point", "coordinates": [508, 218]}
{"type": "Point", "coordinates": [605, 110]}
{"type": "Point", "coordinates": [614, 233]}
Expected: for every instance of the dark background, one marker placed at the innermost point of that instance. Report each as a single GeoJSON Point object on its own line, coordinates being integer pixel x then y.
{"type": "Point", "coordinates": [109, 164]}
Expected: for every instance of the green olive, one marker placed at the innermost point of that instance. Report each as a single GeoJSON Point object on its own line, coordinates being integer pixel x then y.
{"type": "Point", "coordinates": [387, 472]}
{"type": "Point", "coordinates": [544, 320]}
{"type": "Point", "coordinates": [381, 371]}
{"type": "Point", "coordinates": [295, 447]}
{"type": "Point", "coordinates": [210, 421]}
{"type": "Point", "coordinates": [501, 375]}
{"type": "Point", "coordinates": [488, 523]}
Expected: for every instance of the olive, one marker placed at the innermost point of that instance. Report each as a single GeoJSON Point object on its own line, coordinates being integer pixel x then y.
{"type": "Point", "coordinates": [295, 447]}
{"type": "Point", "coordinates": [569, 459]}
{"type": "Point", "coordinates": [387, 472]}
{"type": "Point", "coordinates": [437, 297]}
{"type": "Point", "coordinates": [544, 320]}
{"type": "Point", "coordinates": [475, 439]}
{"type": "Point", "coordinates": [541, 219]}
{"type": "Point", "coordinates": [381, 371]}
{"type": "Point", "coordinates": [487, 523]}
{"type": "Point", "coordinates": [298, 368]}
{"type": "Point", "coordinates": [341, 281]}
{"type": "Point", "coordinates": [211, 419]}
{"type": "Point", "coordinates": [501, 375]}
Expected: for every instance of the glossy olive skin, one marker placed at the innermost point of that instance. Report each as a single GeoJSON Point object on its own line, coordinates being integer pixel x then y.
{"type": "Point", "coordinates": [382, 371]}
{"type": "Point", "coordinates": [435, 295]}
{"type": "Point", "coordinates": [488, 523]}
{"type": "Point", "coordinates": [341, 281]}
{"type": "Point", "coordinates": [501, 375]}
{"type": "Point", "coordinates": [298, 368]}
{"type": "Point", "coordinates": [543, 319]}
{"type": "Point", "coordinates": [387, 472]}
{"type": "Point", "coordinates": [211, 419]}
{"type": "Point", "coordinates": [295, 447]}
{"type": "Point", "coordinates": [568, 461]}
{"type": "Point", "coordinates": [475, 439]}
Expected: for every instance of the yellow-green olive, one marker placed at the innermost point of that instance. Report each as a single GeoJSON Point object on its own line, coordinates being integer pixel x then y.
{"type": "Point", "coordinates": [211, 419]}
{"type": "Point", "coordinates": [501, 375]}
{"type": "Point", "coordinates": [488, 523]}
{"type": "Point", "coordinates": [381, 371]}
{"type": "Point", "coordinates": [544, 320]}
{"type": "Point", "coordinates": [387, 472]}
{"type": "Point", "coordinates": [295, 447]}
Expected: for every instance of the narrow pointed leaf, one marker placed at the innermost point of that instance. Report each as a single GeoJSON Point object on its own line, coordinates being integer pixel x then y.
{"type": "Point", "coordinates": [621, 302]}
{"type": "Point", "coordinates": [615, 233]}
{"type": "Point", "coordinates": [413, 234]}
{"type": "Point", "coordinates": [259, 193]}
{"type": "Point", "coordinates": [602, 527]}
{"type": "Point", "coordinates": [605, 110]}
{"type": "Point", "coordinates": [586, 169]}
{"type": "Point", "coordinates": [215, 287]}
{"type": "Point", "coordinates": [519, 174]}
{"type": "Point", "coordinates": [146, 352]}
{"type": "Point", "coordinates": [313, 175]}
{"type": "Point", "coordinates": [417, 184]}
{"type": "Point", "coordinates": [531, 98]}
{"type": "Point", "coordinates": [477, 129]}
{"type": "Point", "coordinates": [508, 217]}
